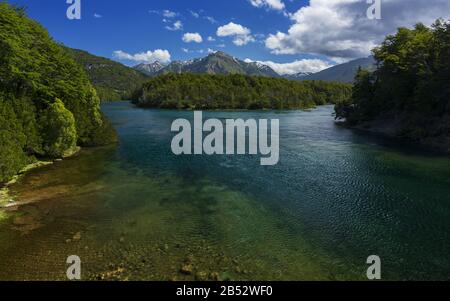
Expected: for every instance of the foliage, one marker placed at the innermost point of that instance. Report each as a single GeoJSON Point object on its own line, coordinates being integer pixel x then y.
{"type": "Point", "coordinates": [203, 91]}
{"type": "Point", "coordinates": [13, 141]}
{"type": "Point", "coordinates": [411, 83]}
{"type": "Point", "coordinates": [58, 128]}
{"type": "Point", "coordinates": [47, 104]}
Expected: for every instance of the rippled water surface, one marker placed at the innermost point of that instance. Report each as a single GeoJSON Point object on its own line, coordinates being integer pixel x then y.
{"type": "Point", "coordinates": [138, 212]}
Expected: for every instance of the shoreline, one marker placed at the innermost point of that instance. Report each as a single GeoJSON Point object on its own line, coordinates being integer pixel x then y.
{"type": "Point", "coordinates": [389, 129]}
{"type": "Point", "coordinates": [6, 200]}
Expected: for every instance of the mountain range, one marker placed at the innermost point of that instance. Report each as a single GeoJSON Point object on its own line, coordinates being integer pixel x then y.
{"type": "Point", "coordinates": [222, 63]}
{"type": "Point", "coordinates": [115, 81]}
{"type": "Point", "coordinates": [215, 63]}
{"type": "Point", "coordinates": [344, 72]}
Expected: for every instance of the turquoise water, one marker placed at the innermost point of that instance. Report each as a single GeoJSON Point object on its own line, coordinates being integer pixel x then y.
{"type": "Point", "coordinates": [138, 212]}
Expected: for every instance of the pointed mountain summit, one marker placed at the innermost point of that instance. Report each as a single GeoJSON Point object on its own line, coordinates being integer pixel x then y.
{"type": "Point", "coordinates": [215, 63]}
{"type": "Point", "coordinates": [149, 69]}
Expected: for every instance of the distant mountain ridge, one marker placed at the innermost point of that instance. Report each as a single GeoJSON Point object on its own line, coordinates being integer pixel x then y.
{"type": "Point", "coordinates": [298, 76]}
{"type": "Point", "coordinates": [149, 69]}
{"type": "Point", "coordinates": [112, 80]}
{"type": "Point", "coordinates": [222, 63]}
{"type": "Point", "coordinates": [215, 63]}
{"type": "Point", "coordinates": [344, 72]}
{"type": "Point", "coordinates": [115, 81]}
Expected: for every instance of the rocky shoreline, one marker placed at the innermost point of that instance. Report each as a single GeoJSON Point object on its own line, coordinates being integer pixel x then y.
{"type": "Point", "coordinates": [8, 201]}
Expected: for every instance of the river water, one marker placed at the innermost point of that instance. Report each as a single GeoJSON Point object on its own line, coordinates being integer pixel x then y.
{"type": "Point", "coordinates": [138, 212]}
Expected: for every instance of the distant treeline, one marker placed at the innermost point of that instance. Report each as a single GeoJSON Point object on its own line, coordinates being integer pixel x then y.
{"type": "Point", "coordinates": [204, 91]}
{"type": "Point", "coordinates": [411, 86]}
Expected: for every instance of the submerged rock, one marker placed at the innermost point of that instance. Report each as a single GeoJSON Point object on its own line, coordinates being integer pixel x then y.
{"type": "Point", "coordinates": [187, 269]}
{"type": "Point", "coordinates": [201, 276]}
{"type": "Point", "coordinates": [77, 236]}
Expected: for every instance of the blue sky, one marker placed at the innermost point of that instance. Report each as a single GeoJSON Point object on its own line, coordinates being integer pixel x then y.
{"type": "Point", "coordinates": [289, 35]}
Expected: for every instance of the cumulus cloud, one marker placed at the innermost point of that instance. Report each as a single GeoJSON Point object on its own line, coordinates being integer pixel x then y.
{"type": "Point", "coordinates": [242, 35]}
{"type": "Point", "coordinates": [178, 25]}
{"type": "Point", "coordinates": [192, 37]}
{"type": "Point", "coordinates": [271, 4]}
{"type": "Point", "coordinates": [232, 29]}
{"type": "Point", "coordinates": [243, 40]}
{"type": "Point", "coordinates": [340, 29]}
{"type": "Point", "coordinates": [98, 16]}
{"type": "Point", "coordinates": [211, 39]}
{"type": "Point", "coordinates": [297, 66]}
{"type": "Point", "coordinates": [160, 55]}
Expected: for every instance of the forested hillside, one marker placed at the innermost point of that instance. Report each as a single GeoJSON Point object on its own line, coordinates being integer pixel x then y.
{"type": "Point", "coordinates": [47, 104]}
{"type": "Point", "coordinates": [112, 80]}
{"type": "Point", "coordinates": [202, 91]}
{"type": "Point", "coordinates": [409, 93]}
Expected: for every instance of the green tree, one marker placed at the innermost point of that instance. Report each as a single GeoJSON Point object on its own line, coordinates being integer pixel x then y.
{"type": "Point", "coordinates": [60, 133]}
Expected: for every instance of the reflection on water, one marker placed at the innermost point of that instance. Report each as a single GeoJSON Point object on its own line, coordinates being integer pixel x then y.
{"type": "Point", "coordinates": [138, 212]}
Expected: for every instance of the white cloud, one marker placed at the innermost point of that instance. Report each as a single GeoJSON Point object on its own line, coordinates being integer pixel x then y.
{"type": "Point", "coordinates": [297, 66]}
{"type": "Point", "coordinates": [178, 25]}
{"type": "Point", "coordinates": [185, 50]}
{"type": "Point", "coordinates": [340, 28]}
{"type": "Point", "coordinates": [211, 50]}
{"type": "Point", "coordinates": [232, 29]}
{"type": "Point", "coordinates": [169, 14]}
{"type": "Point", "coordinates": [160, 55]}
{"type": "Point", "coordinates": [271, 4]}
{"type": "Point", "coordinates": [242, 35]}
{"type": "Point", "coordinates": [211, 19]}
{"type": "Point", "coordinates": [243, 40]}
{"type": "Point", "coordinates": [165, 13]}
{"type": "Point", "coordinates": [98, 16]}
{"type": "Point", "coordinates": [194, 14]}
{"type": "Point", "coordinates": [211, 39]}
{"type": "Point", "coordinates": [192, 37]}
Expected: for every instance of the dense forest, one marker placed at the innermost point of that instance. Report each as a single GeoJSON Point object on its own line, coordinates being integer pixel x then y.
{"type": "Point", "coordinates": [408, 94]}
{"type": "Point", "coordinates": [203, 91]}
{"type": "Point", "coordinates": [112, 80]}
{"type": "Point", "coordinates": [48, 107]}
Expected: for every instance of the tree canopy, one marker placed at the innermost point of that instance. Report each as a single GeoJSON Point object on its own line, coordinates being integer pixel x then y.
{"type": "Point", "coordinates": [411, 84]}
{"type": "Point", "coordinates": [47, 104]}
{"type": "Point", "coordinates": [205, 91]}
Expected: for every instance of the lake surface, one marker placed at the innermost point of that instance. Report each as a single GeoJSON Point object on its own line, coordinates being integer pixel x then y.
{"type": "Point", "coordinates": [138, 212]}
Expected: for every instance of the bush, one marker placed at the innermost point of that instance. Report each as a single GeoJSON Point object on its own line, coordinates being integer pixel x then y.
{"type": "Point", "coordinates": [60, 133]}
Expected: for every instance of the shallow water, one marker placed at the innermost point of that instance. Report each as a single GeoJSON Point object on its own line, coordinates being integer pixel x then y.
{"type": "Point", "coordinates": [138, 212]}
